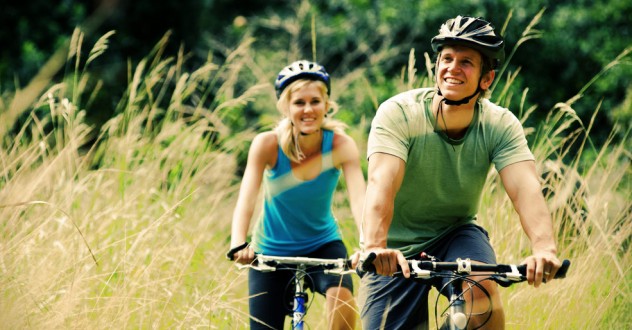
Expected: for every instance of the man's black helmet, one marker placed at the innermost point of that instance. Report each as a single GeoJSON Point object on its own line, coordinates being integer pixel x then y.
{"type": "Point", "coordinates": [471, 32]}
{"type": "Point", "coordinates": [301, 70]}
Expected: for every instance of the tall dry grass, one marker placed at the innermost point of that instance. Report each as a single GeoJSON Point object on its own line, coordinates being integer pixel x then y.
{"type": "Point", "coordinates": [128, 233]}
{"type": "Point", "coordinates": [127, 227]}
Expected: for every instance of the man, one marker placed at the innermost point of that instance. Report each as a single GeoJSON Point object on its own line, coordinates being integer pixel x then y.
{"type": "Point", "coordinates": [429, 152]}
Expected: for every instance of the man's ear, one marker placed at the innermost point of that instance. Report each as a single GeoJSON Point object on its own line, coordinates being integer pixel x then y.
{"type": "Point", "coordinates": [487, 80]}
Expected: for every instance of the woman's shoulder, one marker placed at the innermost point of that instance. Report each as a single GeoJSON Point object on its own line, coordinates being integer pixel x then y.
{"type": "Point", "coordinates": [264, 148]}
{"type": "Point", "coordinates": [341, 137]}
{"type": "Point", "coordinates": [266, 139]}
{"type": "Point", "coordinates": [265, 143]}
{"type": "Point", "coordinates": [344, 145]}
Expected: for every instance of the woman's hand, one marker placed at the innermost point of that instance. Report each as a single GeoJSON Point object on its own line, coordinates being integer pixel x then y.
{"type": "Point", "coordinates": [242, 254]}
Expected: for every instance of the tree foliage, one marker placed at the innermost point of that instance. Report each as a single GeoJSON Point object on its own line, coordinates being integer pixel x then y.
{"type": "Point", "coordinates": [576, 40]}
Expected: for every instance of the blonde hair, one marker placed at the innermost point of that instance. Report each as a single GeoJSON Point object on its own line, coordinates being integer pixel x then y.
{"type": "Point", "coordinates": [285, 129]}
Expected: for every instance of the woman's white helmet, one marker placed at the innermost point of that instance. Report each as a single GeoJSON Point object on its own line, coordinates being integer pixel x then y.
{"type": "Point", "coordinates": [301, 70]}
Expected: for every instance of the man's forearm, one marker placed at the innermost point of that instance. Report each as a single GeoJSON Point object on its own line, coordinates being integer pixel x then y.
{"type": "Point", "coordinates": [537, 224]}
{"type": "Point", "coordinates": [376, 221]}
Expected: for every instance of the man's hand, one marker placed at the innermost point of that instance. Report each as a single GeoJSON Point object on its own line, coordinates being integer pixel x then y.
{"type": "Point", "coordinates": [541, 267]}
{"type": "Point", "coordinates": [386, 261]}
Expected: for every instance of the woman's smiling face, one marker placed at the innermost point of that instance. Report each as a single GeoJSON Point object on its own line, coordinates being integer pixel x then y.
{"type": "Point", "coordinates": [307, 108]}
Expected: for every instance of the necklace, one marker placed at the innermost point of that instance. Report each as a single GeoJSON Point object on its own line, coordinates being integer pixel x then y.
{"type": "Point", "coordinates": [302, 154]}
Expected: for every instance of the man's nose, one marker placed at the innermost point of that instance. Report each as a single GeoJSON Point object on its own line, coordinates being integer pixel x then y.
{"type": "Point", "coordinates": [453, 66]}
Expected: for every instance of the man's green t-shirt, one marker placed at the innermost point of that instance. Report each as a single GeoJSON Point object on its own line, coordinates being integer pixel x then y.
{"type": "Point", "coordinates": [444, 178]}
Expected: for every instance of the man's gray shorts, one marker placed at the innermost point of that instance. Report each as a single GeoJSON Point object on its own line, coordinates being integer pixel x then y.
{"type": "Point", "coordinates": [398, 303]}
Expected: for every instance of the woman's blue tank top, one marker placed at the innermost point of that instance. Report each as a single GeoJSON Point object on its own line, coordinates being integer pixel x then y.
{"type": "Point", "coordinates": [297, 215]}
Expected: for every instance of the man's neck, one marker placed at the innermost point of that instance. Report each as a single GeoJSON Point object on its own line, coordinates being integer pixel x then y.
{"type": "Point", "coordinates": [453, 119]}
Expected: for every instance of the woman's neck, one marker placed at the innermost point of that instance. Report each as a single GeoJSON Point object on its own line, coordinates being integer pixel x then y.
{"type": "Point", "coordinates": [310, 144]}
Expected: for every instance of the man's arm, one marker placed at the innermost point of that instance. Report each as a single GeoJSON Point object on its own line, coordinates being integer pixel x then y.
{"type": "Point", "coordinates": [523, 188]}
{"type": "Point", "coordinates": [385, 176]}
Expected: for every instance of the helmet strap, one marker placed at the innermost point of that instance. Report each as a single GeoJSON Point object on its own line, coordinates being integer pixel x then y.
{"type": "Point", "coordinates": [463, 100]}
{"type": "Point", "coordinates": [458, 102]}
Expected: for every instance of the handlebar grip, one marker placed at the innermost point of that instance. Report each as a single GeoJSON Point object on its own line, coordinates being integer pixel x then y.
{"type": "Point", "coordinates": [561, 272]}
{"type": "Point", "coordinates": [230, 254]}
{"type": "Point", "coordinates": [367, 265]}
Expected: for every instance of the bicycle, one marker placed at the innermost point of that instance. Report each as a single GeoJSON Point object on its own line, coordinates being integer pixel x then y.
{"type": "Point", "coordinates": [300, 266]}
{"type": "Point", "coordinates": [429, 269]}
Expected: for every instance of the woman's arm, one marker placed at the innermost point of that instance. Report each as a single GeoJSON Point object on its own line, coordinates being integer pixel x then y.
{"type": "Point", "coordinates": [347, 154]}
{"type": "Point", "coordinates": [262, 153]}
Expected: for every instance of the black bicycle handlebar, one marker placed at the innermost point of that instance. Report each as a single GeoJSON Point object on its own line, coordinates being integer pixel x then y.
{"type": "Point", "coordinates": [561, 272]}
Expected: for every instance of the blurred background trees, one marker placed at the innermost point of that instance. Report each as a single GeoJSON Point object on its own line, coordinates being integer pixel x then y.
{"type": "Point", "coordinates": [575, 40]}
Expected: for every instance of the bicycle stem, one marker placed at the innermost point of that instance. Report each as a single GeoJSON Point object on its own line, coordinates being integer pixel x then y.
{"type": "Point", "coordinates": [299, 299]}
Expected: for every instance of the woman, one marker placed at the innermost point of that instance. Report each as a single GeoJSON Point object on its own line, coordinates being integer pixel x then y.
{"type": "Point", "coordinates": [299, 164]}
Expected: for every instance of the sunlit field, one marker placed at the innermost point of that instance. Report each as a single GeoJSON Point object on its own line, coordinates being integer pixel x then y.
{"type": "Point", "coordinates": [127, 226]}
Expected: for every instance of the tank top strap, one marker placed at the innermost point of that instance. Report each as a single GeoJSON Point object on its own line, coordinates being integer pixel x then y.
{"type": "Point", "coordinates": [327, 148]}
{"type": "Point", "coordinates": [283, 164]}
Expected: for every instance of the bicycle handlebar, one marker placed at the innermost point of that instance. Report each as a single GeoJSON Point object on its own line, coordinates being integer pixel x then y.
{"type": "Point", "coordinates": [503, 274]}
{"type": "Point", "coordinates": [267, 263]}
